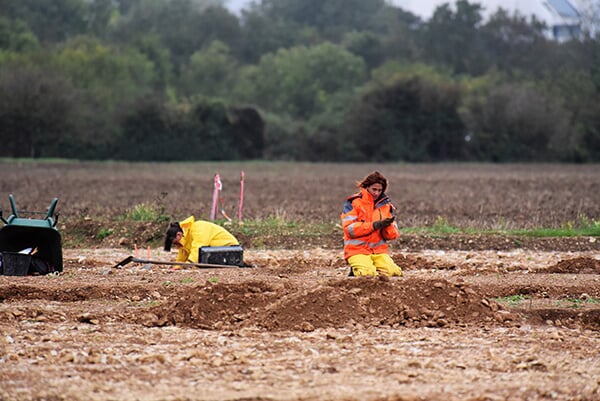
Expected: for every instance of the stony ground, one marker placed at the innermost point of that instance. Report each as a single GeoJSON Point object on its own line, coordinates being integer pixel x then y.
{"type": "Point", "coordinates": [295, 327]}
{"type": "Point", "coordinates": [475, 317]}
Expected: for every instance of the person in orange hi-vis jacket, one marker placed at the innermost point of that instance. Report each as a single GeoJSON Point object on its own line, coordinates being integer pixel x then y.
{"type": "Point", "coordinates": [368, 222]}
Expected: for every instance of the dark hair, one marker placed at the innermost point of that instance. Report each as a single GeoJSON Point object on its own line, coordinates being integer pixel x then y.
{"type": "Point", "coordinates": [170, 235]}
{"type": "Point", "coordinates": [374, 178]}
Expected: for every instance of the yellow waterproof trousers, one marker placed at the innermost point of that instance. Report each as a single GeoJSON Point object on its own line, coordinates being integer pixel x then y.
{"type": "Point", "coordinates": [373, 265]}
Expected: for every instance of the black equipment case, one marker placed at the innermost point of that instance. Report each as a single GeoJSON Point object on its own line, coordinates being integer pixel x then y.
{"type": "Point", "coordinates": [222, 255]}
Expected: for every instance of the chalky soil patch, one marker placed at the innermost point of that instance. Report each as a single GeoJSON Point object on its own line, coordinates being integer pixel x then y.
{"type": "Point", "coordinates": [297, 328]}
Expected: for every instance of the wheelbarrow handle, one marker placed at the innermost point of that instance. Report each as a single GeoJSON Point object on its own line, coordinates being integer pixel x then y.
{"type": "Point", "coordinates": [51, 212]}
{"type": "Point", "coordinates": [13, 205]}
{"type": "Point", "coordinates": [55, 222]}
{"type": "Point", "coordinates": [51, 208]}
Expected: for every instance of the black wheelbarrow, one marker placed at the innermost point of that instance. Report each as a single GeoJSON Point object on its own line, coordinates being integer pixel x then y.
{"type": "Point", "coordinates": [30, 245]}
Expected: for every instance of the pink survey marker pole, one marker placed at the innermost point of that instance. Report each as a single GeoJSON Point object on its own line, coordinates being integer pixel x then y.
{"type": "Point", "coordinates": [215, 204]}
{"type": "Point", "coordinates": [241, 202]}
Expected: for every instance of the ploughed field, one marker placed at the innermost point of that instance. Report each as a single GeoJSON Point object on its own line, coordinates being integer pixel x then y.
{"type": "Point", "coordinates": [475, 317]}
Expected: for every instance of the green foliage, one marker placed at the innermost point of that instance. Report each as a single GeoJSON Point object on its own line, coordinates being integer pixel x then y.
{"type": "Point", "coordinates": [283, 138]}
{"type": "Point", "coordinates": [263, 35]}
{"type": "Point", "coordinates": [209, 124]}
{"type": "Point", "coordinates": [51, 22]}
{"type": "Point", "coordinates": [102, 16]}
{"type": "Point", "coordinates": [517, 123]}
{"type": "Point", "coordinates": [160, 57]}
{"type": "Point", "coordinates": [571, 86]}
{"type": "Point", "coordinates": [248, 132]}
{"type": "Point", "coordinates": [441, 225]}
{"type": "Point", "coordinates": [183, 26]}
{"type": "Point", "coordinates": [37, 109]}
{"type": "Point", "coordinates": [575, 303]}
{"type": "Point", "coordinates": [323, 138]}
{"type": "Point", "coordinates": [393, 71]}
{"type": "Point", "coordinates": [366, 45]}
{"type": "Point", "coordinates": [222, 133]}
{"type": "Point", "coordinates": [452, 38]}
{"type": "Point", "coordinates": [279, 225]}
{"type": "Point", "coordinates": [104, 232]}
{"type": "Point", "coordinates": [510, 41]}
{"type": "Point", "coordinates": [299, 81]}
{"type": "Point", "coordinates": [583, 226]}
{"type": "Point", "coordinates": [584, 222]}
{"type": "Point", "coordinates": [111, 75]}
{"type": "Point", "coordinates": [205, 130]}
{"type": "Point", "coordinates": [148, 212]}
{"type": "Point", "coordinates": [210, 72]}
{"type": "Point", "coordinates": [187, 79]}
{"type": "Point", "coordinates": [410, 119]}
{"type": "Point", "coordinates": [513, 300]}
{"type": "Point", "coordinates": [219, 24]}
{"type": "Point", "coordinates": [332, 17]}
{"type": "Point", "coordinates": [150, 131]}
{"type": "Point", "coordinates": [16, 36]}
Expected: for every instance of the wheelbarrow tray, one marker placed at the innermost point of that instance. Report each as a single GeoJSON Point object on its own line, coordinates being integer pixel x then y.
{"type": "Point", "coordinates": [47, 240]}
{"type": "Point", "coordinates": [19, 233]}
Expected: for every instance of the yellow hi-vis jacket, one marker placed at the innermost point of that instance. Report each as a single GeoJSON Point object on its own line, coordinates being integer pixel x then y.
{"type": "Point", "coordinates": [197, 234]}
{"type": "Point", "coordinates": [360, 211]}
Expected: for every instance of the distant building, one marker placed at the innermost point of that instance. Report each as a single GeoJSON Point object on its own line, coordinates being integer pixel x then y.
{"type": "Point", "coordinates": [562, 17]}
{"type": "Point", "coordinates": [565, 20]}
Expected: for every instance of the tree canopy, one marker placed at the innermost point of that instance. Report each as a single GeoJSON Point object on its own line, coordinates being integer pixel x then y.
{"type": "Point", "coordinates": [294, 79]}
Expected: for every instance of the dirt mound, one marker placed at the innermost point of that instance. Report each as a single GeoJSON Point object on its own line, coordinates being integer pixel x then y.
{"type": "Point", "coordinates": [580, 265]}
{"type": "Point", "coordinates": [333, 303]}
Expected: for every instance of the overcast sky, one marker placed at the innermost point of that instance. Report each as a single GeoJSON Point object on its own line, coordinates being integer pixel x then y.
{"type": "Point", "coordinates": [425, 8]}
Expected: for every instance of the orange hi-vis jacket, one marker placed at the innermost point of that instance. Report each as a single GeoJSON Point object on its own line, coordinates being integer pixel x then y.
{"type": "Point", "coordinates": [360, 211]}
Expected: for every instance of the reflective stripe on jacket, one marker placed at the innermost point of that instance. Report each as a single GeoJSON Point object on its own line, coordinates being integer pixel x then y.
{"type": "Point", "coordinates": [360, 211]}
{"type": "Point", "coordinates": [197, 234]}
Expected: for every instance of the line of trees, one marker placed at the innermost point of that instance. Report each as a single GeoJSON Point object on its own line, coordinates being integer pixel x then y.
{"type": "Point", "coordinates": [327, 80]}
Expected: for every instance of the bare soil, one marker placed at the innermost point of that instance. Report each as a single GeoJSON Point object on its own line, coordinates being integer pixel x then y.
{"type": "Point", "coordinates": [474, 317]}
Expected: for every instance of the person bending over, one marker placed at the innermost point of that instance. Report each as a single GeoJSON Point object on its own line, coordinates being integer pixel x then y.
{"type": "Point", "coordinates": [189, 235]}
{"type": "Point", "coordinates": [368, 222]}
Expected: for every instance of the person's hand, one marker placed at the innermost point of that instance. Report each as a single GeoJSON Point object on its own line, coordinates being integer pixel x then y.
{"type": "Point", "coordinates": [379, 224]}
